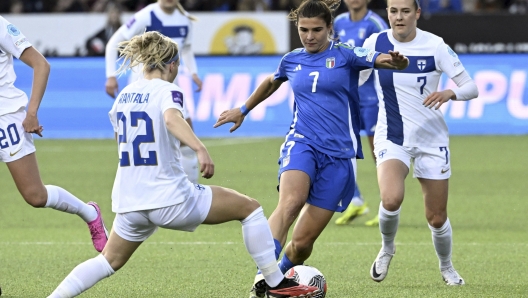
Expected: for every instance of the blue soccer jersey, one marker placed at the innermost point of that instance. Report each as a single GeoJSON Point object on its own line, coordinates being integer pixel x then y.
{"type": "Point", "coordinates": [326, 104]}
{"type": "Point", "coordinates": [354, 34]}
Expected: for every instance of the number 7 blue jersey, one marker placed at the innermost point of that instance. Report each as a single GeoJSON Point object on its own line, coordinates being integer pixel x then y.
{"type": "Point", "coordinates": [326, 101]}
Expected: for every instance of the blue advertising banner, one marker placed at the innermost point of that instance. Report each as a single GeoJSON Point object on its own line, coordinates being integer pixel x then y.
{"type": "Point", "coordinates": [76, 105]}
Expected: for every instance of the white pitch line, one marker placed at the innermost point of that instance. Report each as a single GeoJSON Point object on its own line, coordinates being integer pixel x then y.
{"type": "Point", "coordinates": [237, 243]}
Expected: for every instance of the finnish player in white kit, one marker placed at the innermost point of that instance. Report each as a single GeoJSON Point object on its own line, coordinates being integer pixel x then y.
{"type": "Point", "coordinates": [16, 126]}
{"type": "Point", "coordinates": [411, 128]}
{"type": "Point", "coordinates": [170, 19]}
{"type": "Point", "coordinates": [151, 189]}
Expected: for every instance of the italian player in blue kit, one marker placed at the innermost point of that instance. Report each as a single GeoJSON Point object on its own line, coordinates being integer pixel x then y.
{"type": "Point", "coordinates": [353, 27]}
{"type": "Point", "coordinates": [318, 158]}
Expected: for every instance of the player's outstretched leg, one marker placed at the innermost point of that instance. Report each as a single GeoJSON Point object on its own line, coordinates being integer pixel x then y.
{"type": "Point", "coordinates": [356, 208]}
{"type": "Point", "coordinates": [388, 227]}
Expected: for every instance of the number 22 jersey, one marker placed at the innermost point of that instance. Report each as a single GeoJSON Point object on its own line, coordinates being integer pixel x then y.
{"type": "Point", "coordinates": [149, 174]}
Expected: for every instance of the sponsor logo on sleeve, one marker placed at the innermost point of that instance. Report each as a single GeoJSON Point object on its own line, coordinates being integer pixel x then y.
{"type": "Point", "coordinates": [370, 56]}
{"type": "Point", "coordinates": [12, 30]}
{"type": "Point", "coordinates": [130, 22]}
{"type": "Point", "coordinates": [20, 41]}
{"type": "Point", "coordinates": [361, 52]}
{"type": "Point", "coordinates": [177, 97]}
{"type": "Point", "coordinates": [451, 52]}
{"type": "Point", "coordinates": [456, 64]}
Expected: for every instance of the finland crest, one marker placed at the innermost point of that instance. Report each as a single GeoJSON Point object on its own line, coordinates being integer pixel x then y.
{"type": "Point", "coordinates": [330, 62]}
{"type": "Point", "coordinates": [421, 63]}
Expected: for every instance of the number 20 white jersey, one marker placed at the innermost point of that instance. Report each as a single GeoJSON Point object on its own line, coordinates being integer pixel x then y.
{"type": "Point", "coordinates": [402, 118]}
{"type": "Point", "coordinates": [149, 174]}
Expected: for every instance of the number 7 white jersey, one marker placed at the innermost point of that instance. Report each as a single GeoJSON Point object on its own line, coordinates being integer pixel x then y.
{"type": "Point", "coordinates": [402, 118]}
{"type": "Point", "coordinates": [149, 174]}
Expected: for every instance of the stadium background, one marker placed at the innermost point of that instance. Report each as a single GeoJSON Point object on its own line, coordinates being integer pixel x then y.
{"type": "Point", "coordinates": [487, 190]}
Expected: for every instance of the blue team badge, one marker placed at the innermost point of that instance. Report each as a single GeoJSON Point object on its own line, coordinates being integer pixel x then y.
{"type": "Point", "coordinates": [198, 186]}
{"type": "Point", "coordinates": [361, 33]}
{"type": "Point", "coordinates": [330, 62]}
{"type": "Point", "coordinates": [451, 52]}
{"type": "Point", "coordinates": [382, 153]}
{"type": "Point", "coordinates": [12, 30]}
{"type": "Point", "coordinates": [361, 52]}
{"type": "Point", "coordinates": [421, 63]}
{"type": "Point", "coordinates": [177, 97]}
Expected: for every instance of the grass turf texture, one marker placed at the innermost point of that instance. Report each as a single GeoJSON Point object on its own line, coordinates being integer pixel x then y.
{"type": "Point", "coordinates": [38, 248]}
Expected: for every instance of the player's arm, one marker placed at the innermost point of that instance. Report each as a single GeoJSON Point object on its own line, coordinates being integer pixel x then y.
{"type": "Point", "coordinates": [237, 115]}
{"type": "Point", "coordinates": [111, 59]}
{"type": "Point", "coordinates": [41, 70]}
{"type": "Point", "coordinates": [466, 90]}
{"type": "Point", "coordinates": [190, 62]}
{"type": "Point", "coordinates": [179, 128]}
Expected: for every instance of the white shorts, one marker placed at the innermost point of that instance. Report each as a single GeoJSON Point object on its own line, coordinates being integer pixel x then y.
{"type": "Point", "coordinates": [137, 226]}
{"type": "Point", "coordinates": [15, 143]}
{"type": "Point", "coordinates": [429, 162]}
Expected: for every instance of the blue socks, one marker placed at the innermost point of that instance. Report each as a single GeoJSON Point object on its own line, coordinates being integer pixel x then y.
{"type": "Point", "coordinates": [285, 264]}
{"type": "Point", "coordinates": [278, 248]}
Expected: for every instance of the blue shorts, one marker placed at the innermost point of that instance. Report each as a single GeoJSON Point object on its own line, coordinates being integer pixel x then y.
{"type": "Point", "coordinates": [369, 118]}
{"type": "Point", "coordinates": [332, 180]}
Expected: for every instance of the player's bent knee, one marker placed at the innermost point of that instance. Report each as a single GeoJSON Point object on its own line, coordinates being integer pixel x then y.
{"type": "Point", "coordinates": [35, 197]}
{"type": "Point", "coordinates": [391, 204]}
{"type": "Point", "coordinates": [437, 220]}
{"type": "Point", "coordinates": [302, 247]}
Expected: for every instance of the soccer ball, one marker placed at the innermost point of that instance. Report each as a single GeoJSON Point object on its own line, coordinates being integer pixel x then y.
{"type": "Point", "coordinates": [310, 276]}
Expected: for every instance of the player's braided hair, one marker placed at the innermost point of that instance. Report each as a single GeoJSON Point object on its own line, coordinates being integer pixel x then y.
{"type": "Point", "coordinates": [152, 49]}
{"type": "Point", "coordinates": [315, 8]}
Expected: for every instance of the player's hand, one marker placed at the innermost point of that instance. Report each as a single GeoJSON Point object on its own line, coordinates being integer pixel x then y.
{"type": "Point", "coordinates": [206, 163]}
{"type": "Point", "coordinates": [396, 60]}
{"type": "Point", "coordinates": [111, 86]}
{"type": "Point", "coordinates": [233, 115]}
{"type": "Point", "coordinates": [198, 82]}
{"type": "Point", "coordinates": [437, 99]}
{"type": "Point", "coordinates": [31, 125]}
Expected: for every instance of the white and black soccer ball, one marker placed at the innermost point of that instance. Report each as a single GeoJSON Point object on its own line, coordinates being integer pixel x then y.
{"type": "Point", "coordinates": [309, 276]}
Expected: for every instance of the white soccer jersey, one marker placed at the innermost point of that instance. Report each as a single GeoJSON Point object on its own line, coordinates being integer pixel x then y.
{"type": "Point", "coordinates": [176, 26]}
{"type": "Point", "coordinates": [402, 118]}
{"type": "Point", "coordinates": [12, 43]}
{"type": "Point", "coordinates": [149, 174]}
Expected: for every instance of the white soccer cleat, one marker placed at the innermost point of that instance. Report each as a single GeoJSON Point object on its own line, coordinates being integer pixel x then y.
{"type": "Point", "coordinates": [380, 268]}
{"type": "Point", "coordinates": [451, 277]}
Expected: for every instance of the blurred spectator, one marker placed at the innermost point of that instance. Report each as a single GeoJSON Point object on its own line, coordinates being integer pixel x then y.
{"type": "Point", "coordinates": [95, 45]}
{"type": "Point", "coordinates": [253, 5]}
{"type": "Point", "coordinates": [519, 7]}
{"type": "Point", "coordinates": [17, 7]}
{"type": "Point", "coordinates": [489, 5]}
{"type": "Point", "coordinates": [441, 6]}
{"type": "Point", "coordinates": [70, 6]}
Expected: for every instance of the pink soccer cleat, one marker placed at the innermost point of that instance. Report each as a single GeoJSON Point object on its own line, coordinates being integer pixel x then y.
{"type": "Point", "coordinates": [98, 229]}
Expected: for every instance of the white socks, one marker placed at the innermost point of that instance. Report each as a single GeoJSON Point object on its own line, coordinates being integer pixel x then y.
{"type": "Point", "coordinates": [83, 277]}
{"type": "Point", "coordinates": [443, 240]}
{"type": "Point", "coordinates": [189, 163]}
{"type": "Point", "coordinates": [62, 200]}
{"type": "Point", "coordinates": [388, 225]}
{"type": "Point", "coordinates": [260, 245]}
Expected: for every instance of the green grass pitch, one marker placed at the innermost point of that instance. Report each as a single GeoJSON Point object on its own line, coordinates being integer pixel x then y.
{"type": "Point", "coordinates": [488, 206]}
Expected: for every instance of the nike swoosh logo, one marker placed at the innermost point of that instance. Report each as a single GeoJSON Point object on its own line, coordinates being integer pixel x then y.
{"type": "Point", "coordinates": [374, 273]}
{"type": "Point", "coordinates": [444, 171]}
{"type": "Point", "coordinates": [13, 154]}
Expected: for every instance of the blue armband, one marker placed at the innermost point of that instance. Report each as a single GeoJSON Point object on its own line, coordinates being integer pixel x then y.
{"type": "Point", "coordinates": [244, 110]}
